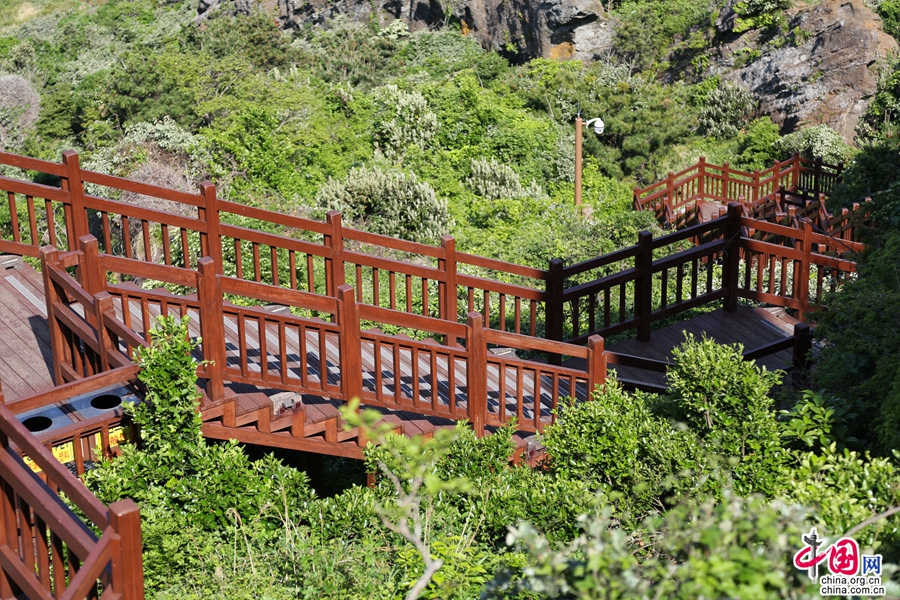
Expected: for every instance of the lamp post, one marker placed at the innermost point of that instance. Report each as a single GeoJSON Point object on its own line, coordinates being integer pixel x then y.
{"type": "Point", "coordinates": [598, 126]}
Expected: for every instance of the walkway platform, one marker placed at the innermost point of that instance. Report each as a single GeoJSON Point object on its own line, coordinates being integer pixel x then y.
{"type": "Point", "coordinates": [268, 416]}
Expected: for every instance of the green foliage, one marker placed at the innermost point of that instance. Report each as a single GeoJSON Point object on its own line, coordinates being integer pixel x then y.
{"type": "Point", "coordinates": [861, 360]}
{"type": "Point", "coordinates": [617, 443]}
{"type": "Point", "coordinates": [402, 119]}
{"type": "Point", "coordinates": [493, 181]}
{"type": "Point", "coordinates": [847, 488]}
{"type": "Point", "coordinates": [889, 11]}
{"type": "Point", "coordinates": [755, 14]}
{"type": "Point", "coordinates": [817, 421]}
{"type": "Point", "coordinates": [819, 141]}
{"type": "Point", "coordinates": [757, 144]}
{"type": "Point", "coordinates": [725, 399]}
{"type": "Point", "coordinates": [733, 548]}
{"type": "Point", "coordinates": [395, 204]}
{"type": "Point", "coordinates": [644, 30]}
{"type": "Point", "coordinates": [725, 109]}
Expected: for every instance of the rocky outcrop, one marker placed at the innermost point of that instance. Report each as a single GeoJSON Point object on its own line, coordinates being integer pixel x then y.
{"type": "Point", "coordinates": [521, 29]}
{"type": "Point", "coordinates": [820, 72]}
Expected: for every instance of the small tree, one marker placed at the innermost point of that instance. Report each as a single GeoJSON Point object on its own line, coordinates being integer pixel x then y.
{"type": "Point", "coordinates": [395, 204]}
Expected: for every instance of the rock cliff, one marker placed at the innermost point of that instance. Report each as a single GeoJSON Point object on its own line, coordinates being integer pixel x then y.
{"type": "Point", "coordinates": [521, 29]}
{"type": "Point", "coordinates": [820, 71]}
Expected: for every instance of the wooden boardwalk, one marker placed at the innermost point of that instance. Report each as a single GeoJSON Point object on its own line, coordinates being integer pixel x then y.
{"type": "Point", "coordinates": [420, 380]}
{"type": "Point", "coordinates": [26, 361]}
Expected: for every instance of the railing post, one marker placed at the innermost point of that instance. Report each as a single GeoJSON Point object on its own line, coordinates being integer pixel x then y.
{"type": "Point", "coordinates": [805, 265]}
{"type": "Point", "coordinates": [449, 300]}
{"type": "Point", "coordinates": [725, 191]}
{"type": "Point", "coordinates": [49, 255]}
{"type": "Point", "coordinates": [350, 343]}
{"type": "Point", "coordinates": [755, 195]}
{"type": "Point", "coordinates": [75, 186]}
{"type": "Point", "coordinates": [670, 195]}
{"type": "Point", "coordinates": [801, 355]}
{"type": "Point", "coordinates": [795, 171]}
{"type": "Point", "coordinates": [637, 198]}
{"type": "Point", "coordinates": [731, 267]}
{"type": "Point", "coordinates": [127, 563]}
{"type": "Point", "coordinates": [212, 327]}
{"type": "Point", "coordinates": [93, 276]}
{"type": "Point", "coordinates": [643, 292]}
{"type": "Point", "coordinates": [817, 174]}
{"type": "Point", "coordinates": [596, 363]}
{"type": "Point", "coordinates": [211, 241]}
{"type": "Point", "coordinates": [476, 372]}
{"type": "Point", "coordinates": [553, 307]}
{"type": "Point", "coordinates": [335, 265]}
{"type": "Point", "coordinates": [701, 179]}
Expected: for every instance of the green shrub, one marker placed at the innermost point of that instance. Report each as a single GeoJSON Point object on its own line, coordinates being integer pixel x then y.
{"type": "Point", "coordinates": [725, 400]}
{"type": "Point", "coordinates": [402, 119]}
{"type": "Point", "coordinates": [492, 180]}
{"type": "Point", "coordinates": [756, 145]}
{"type": "Point", "coordinates": [395, 204]}
{"type": "Point", "coordinates": [817, 421]}
{"type": "Point", "coordinates": [753, 14]}
{"type": "Point", "coordinates": [819, 141]}
{"type": "Point", "coordinates": [618, 444]}
{"type": "Point", "coordinates": [725, 109]}
{"type": "Point", "coordinates": [705, 548]}
{"type": "Point", "coordinates": [847, 488]}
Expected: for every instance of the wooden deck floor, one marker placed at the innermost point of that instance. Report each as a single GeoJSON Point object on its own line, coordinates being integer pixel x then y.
{"type": "Point", "coordinates": [26, 362]}
{"type": "Point", "coordinates": [752, 327]}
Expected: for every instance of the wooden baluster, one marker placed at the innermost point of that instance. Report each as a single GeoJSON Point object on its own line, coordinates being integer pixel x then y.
{"type": "Point", "coordinates": [212, 327]}
{"type": "Point", "coordinates": [643, 304]}
{"type": "Point", "coordinates": [476, 373]}
{"type": "Point", "coordinates": [805, 266]}
{"type": "Point", "coordinates": [350, 344]}
{"type": "Point", "coordinates": [50, 256]}
{"type": "Point", "coordinates": [103, 305]}
{"type": "Point", "coordinates": [701, 180]}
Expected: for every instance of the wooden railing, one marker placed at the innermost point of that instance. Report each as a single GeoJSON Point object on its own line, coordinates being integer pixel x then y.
{"type": "Point", "coordinates": [46, 550]}
{"type": "Point", "coordinates": [679, 199]}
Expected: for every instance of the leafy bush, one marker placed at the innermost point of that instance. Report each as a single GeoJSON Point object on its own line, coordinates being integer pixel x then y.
{"type": "Point", "coordinates": [819, 141]}
{"type": "Point", "coordinates": [725, 399]}
{"type": "Point", "coordinates": [817, 421]}
{"type": "Point", "coordinates": [492, 180]}
{"type": "Point", "coordinates": [403, 119]}
{"type": "Point", "coordinates": [753, 14]}
{"type": "Point", "coordinates": [860, 359]}
{"type": "Point", "coordinates": [619, 445]}
{"type": "Point", "coordinates": [725, 109]}
{"type": "Point", "coordinates": [847, 488]}
{"type": "Point", "coordinates": [174, 472]}
{"type": "Point", "coordinates": [396, 204]}
{"type": "Point", "coordinates": [705, 548]}
{"type": "Point", "coordinates": [757, 144]}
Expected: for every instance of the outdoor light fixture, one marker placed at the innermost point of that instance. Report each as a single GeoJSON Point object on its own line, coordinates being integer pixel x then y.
{"type": "Point", "coordinates": [598, 127]}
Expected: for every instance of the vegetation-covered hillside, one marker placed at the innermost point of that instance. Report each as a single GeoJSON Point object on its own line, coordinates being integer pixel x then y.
{"type": "Point", "coordinates": [701, 493]}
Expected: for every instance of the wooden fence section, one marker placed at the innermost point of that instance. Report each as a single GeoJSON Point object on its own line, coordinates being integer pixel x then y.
{"type": "Point", "coordinates": [157, 226]}
{"type": "Point", "coordinates": [46, 550]}
{"type": "Point", "coordinates": [700, 193]}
